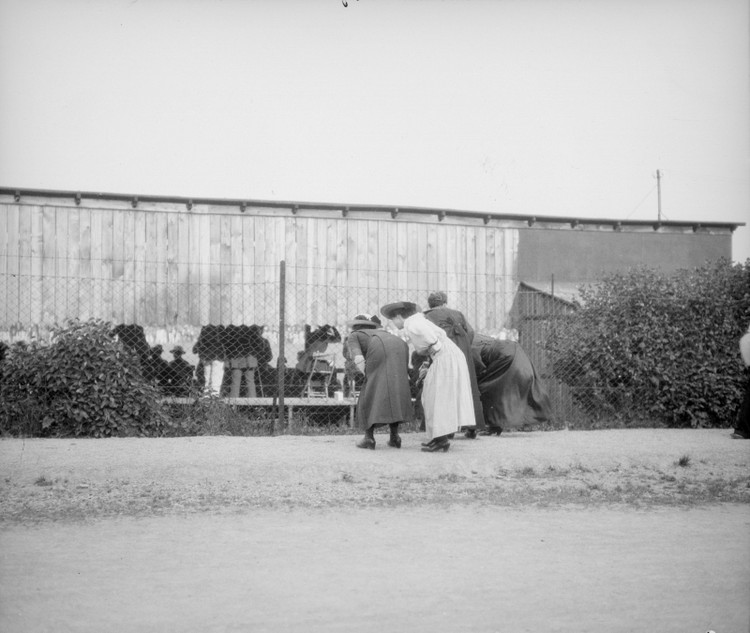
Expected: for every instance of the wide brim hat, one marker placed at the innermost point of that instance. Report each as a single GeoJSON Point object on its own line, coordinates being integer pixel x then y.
{"type": "Point", "coordinates": [177, 349]}
{"type": "Point", "coordinates": [388, 309]}
{"type": "Point", "coordinates": [362, 320]}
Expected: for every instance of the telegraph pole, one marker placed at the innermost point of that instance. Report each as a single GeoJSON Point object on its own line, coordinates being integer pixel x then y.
{"type": "Point", "coordinates": [658, 192]}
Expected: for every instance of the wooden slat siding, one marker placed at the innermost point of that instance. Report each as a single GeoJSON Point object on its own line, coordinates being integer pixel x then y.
{"type": "Point", "coordinates": [183, 270]}
{"type": "Point", "coordinates": [49, 285]}
{"type": "Point", "coordinates": [6, 307]}
{"type": "Point", "coordinates": [239, 314]}
{"type": "Point", "coordinates": [204, 257]}
{"type": "Point", "coordinates": [161, 269]}
{"type": "Point", "coordinates": [85, 299]}
{"type": "Point", "coordinates": [419, 245]}
{"type": "Point", "coordinates": [215, 314]}
{"type": "Point", "coordinates": [13, 289]}
{"type": "Point", "coordinates": [411, 264]}
{"type": "Point", "coordinates": [259, 273]}
{"type": "Point", "coordinates": [194, 268]}
{"type": "Point", "coordinates": [24, 267]}
{"type": "Point", "coordinates": [225, 267]}
{"type": "Point", "coordinates": [150, 312]}
{"type": "Point", "coordinates": [334, 293]}
{"type": "Point", "coordinates": [384, 264]}
{"type": "Point", "coordinates": [431, 261]}
{"type": "Point", "coordinates": [130, 307]}
{"type": "Point", "coordinates": [489, 255]}
{"type": "Point", "coordinates": [402, 249]}
{"type": "Point", "coordinates": [36, 253]}
{"type": "Point", "coordinates": [391, 290]}
{"type": "Point", "coordinates": [277, 253]}
{"type": "Point", "coordinates": [72, 255]}
{"type": "Point", "coordinates": [139, 266]}
{"type": "Point", "coordinates": [118, 267]}
{"type": "Point", "coordinates": [96, 264]}
{"type": "Point", "coordinates": [480, 264]}
{"type": "Point", "coordinates": [344, 304]}
{"type": "Point", "coordinates": [452, 273]}
{"type": "Point", "coordinates": [247, 268]}
{"type": "Point", "coordinates": [511, 271]}
{"type": "Point", "coordinates": [169, 292]}
{"type": "Point", "coordinates": [470, 279]}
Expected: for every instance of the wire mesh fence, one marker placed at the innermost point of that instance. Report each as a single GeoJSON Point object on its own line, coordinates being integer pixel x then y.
{"type": "Point", "coordinates": [270, 354]}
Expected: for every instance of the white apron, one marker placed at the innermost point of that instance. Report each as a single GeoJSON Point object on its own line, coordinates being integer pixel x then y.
{"type": "Point", "coordinates": [446, 394]}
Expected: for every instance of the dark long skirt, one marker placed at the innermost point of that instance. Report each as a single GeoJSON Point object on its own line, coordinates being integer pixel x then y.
{"type": "Point", "coordinates": [512, 394]}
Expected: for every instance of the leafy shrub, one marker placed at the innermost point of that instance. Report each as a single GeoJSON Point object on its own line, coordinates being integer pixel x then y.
{"type": "Point", "coordinates": [650, 345]}
{"type": "Point", "coordinates": [84, 383]}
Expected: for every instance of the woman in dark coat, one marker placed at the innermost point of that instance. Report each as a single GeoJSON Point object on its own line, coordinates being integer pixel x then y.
{"type": "Point", "coordinates": [385, 395]}
{"type": "Point", "coordinates": [512, 394]}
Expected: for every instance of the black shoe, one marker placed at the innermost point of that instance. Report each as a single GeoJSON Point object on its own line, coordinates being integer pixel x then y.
{"type": "Point", "coordinates": [366, 442]}
{"type": "Point", "coordinates": [430, 443]}
{"type": "Point", "coordinates": [395, 441]}
{"type": "Point", "coordinates": [492, 430]}
{"type": "Point", "coordinates": [441, 444]}
{"type": "Point", "coordinates": [470, 434]}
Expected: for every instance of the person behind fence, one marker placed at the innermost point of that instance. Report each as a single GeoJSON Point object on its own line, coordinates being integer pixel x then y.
{"type": "Point", "coordinates": [260, 348]}
{"type": "Point", "coordinates": [742, 428]}
{"type": "Point", "coordinates": [210, 350]}
{"type": "Point", "coordinates": [512, 393]}
{"type": "Point", "coordinates": [156, 369]}
{"type": "Point", "coordinates": [459, 331]}
{"type": "Point", "coordinates": [384, 396]}
{"type": "Point", "coordinates": [446, 391]}
{"type": "Point", "coordinates": [180, 373]}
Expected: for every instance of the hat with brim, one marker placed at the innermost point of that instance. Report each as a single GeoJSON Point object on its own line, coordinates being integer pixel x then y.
{"type": "Point", "coordinates": [177, 349]}
{"type": "Point", "coordinates": [362, 320]}
{"type": "Point", "coordinates": [389, 309]}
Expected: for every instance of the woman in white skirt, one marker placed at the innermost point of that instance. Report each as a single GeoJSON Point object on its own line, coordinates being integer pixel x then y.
{"type": "Point", "coordinates": [446, 394]}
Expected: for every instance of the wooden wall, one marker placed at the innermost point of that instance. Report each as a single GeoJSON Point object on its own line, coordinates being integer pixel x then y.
{"type": "Point", "coordinates": [174, 269]}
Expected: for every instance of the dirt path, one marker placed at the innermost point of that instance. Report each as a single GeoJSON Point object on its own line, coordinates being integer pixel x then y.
{"type": "Point", "coordinates": [461, 569]}
{"type": "Point", "coordinates": [607, 531]}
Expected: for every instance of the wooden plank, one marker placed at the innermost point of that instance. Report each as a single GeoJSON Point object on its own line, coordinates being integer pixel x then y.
{"type": "Point", "coordinates": [61, 265]}
{"type": "Point", "coordinates": [5, 306]}
{"type": "Point", "coordinates": [238, 314]}
{"type": "Point", "coordinates": [37, 252]}
{"type": "Point", "coordinates": [471, 275]}
{"type": "Point", "coordinates": [457, 296]}
{"type": "Point", "coordinates": [161, 269]}
{"type": "Point", "coordinates": [13, 289]}
{"type": "Point", "coordinates": [49, 285]}
{"type": "Point", "coordinates": [204, 248]}
{"type": "Point", "coordinates": [247, 263]}
{"type": "Point", "coordinates": [225, 266]}
{"type": "Point", "coordinates": [171, 290]}
{"type": "Point", "coordinates": [118, 267]}
{"type": "Point", "coordinates": [72, 256]}
{"type": "Point", "coordinates": [420, 245]}
{"type": "Point", "coordinates": [215, 314]}
{"type": "Point", "coordinates": [97, 292]}
{"type": "Point", "coordinates": [392, 232]}
{"type": "Point", "coordinates": [150, 309]}
{"type": "Point", "coordinates": [85, 286]}
{"type": "Point", "coordinates": [489, 262]}
{"type": "Point", "coordinates": [182, 275]}
{"type": "Point", "coordinates": [139, 239]}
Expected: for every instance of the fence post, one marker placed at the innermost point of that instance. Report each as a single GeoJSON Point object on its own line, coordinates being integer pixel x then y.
{"type": "Point", "coordinates": [281, 362]}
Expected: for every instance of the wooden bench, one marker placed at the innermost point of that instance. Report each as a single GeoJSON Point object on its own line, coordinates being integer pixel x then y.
{"type": "Point", "coordinates": [289, 403]}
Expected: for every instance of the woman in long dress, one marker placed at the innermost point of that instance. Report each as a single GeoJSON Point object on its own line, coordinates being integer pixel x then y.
{"type": "Point", "coordinates": [446, 391]}
{"type": "Point", "coordinates": [385, 395]}
{"type": "Point", "coordinates": [512, 394]}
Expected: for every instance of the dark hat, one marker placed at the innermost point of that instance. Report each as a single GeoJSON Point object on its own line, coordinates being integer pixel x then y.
{"type": "Point", "coordinates": [362, 320]}
{"type": "Point", "coordinates": [388, 310]}
{"type": "Point", "coordinates": [177, 349]}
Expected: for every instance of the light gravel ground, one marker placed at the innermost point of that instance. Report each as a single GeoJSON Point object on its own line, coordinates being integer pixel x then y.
{"type": "Point", "coordinates": [600, 532]}
{"type": "Point", "coordinates": [54, 479]}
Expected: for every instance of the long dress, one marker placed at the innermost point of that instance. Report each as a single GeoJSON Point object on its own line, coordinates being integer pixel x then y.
{"type": "Point", "coordinates": [459, 331]}
{"type": "Point", "coordinates": [512, 394]}
{"type": "Point", "coordinates": [446, 391]}
{"type": "Point", "coordinates": [385, 396]}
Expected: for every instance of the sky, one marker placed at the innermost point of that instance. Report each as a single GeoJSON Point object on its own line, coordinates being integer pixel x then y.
{"type": "Point", "coordinates": [535, 107]}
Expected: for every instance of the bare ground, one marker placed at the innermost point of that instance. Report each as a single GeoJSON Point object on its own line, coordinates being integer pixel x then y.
{"type": "Point", "coordinates": [602, 531]}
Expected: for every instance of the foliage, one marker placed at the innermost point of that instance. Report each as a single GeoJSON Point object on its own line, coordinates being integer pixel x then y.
{"type": "Point", "coordinates": [646, 345]}
{"type": "Point", "coordinates": [84, 383]}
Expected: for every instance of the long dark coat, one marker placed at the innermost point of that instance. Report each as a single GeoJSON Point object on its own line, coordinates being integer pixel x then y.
{"type": "Point", "coordinates": [459, 331]}
{"type": "Point", "coordinates": [385, 396]}
{"type": "Point", "coordinates": [512, 394]}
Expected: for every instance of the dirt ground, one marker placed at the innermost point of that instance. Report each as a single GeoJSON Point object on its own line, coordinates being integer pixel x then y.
{"type": "Point", "coordinates": [605, 531]}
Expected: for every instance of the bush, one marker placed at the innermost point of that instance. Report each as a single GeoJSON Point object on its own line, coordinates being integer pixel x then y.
{"type": "Point", "coordinates": [83, 384]}
{"type": "Point", "coordinates": [646, 345]}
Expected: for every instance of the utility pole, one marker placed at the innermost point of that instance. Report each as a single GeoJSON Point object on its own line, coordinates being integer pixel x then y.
{"type": "Point", "coordinates": [658, 192]}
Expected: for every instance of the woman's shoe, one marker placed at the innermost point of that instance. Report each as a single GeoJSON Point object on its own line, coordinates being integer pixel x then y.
{"type": "Point", "coordinates": [492, 430]}
{"type": "Point", "coordinates": [430, 443]}
{"type": "Point", "coordinates": [470, 434]}
{"type": "Point", "coordinates": [442, 444]}
{"type": "Point", "coordinates": [395, 441]}
{"type": "Point", "coordinates": [366, 442]}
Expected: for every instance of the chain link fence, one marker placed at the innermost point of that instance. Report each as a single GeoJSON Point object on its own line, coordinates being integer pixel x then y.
{"type": "Point", "coordinates": [286, 368]}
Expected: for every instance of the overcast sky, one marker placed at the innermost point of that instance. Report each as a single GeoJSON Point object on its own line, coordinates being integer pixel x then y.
{"type": "Point", "coordinates": [538, 107]}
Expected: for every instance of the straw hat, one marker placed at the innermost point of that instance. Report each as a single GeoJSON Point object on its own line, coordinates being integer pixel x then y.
{"type": "Point", "coordinates": [388, 309]}
{"type": "Point", "coordinates": [362, 320]}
